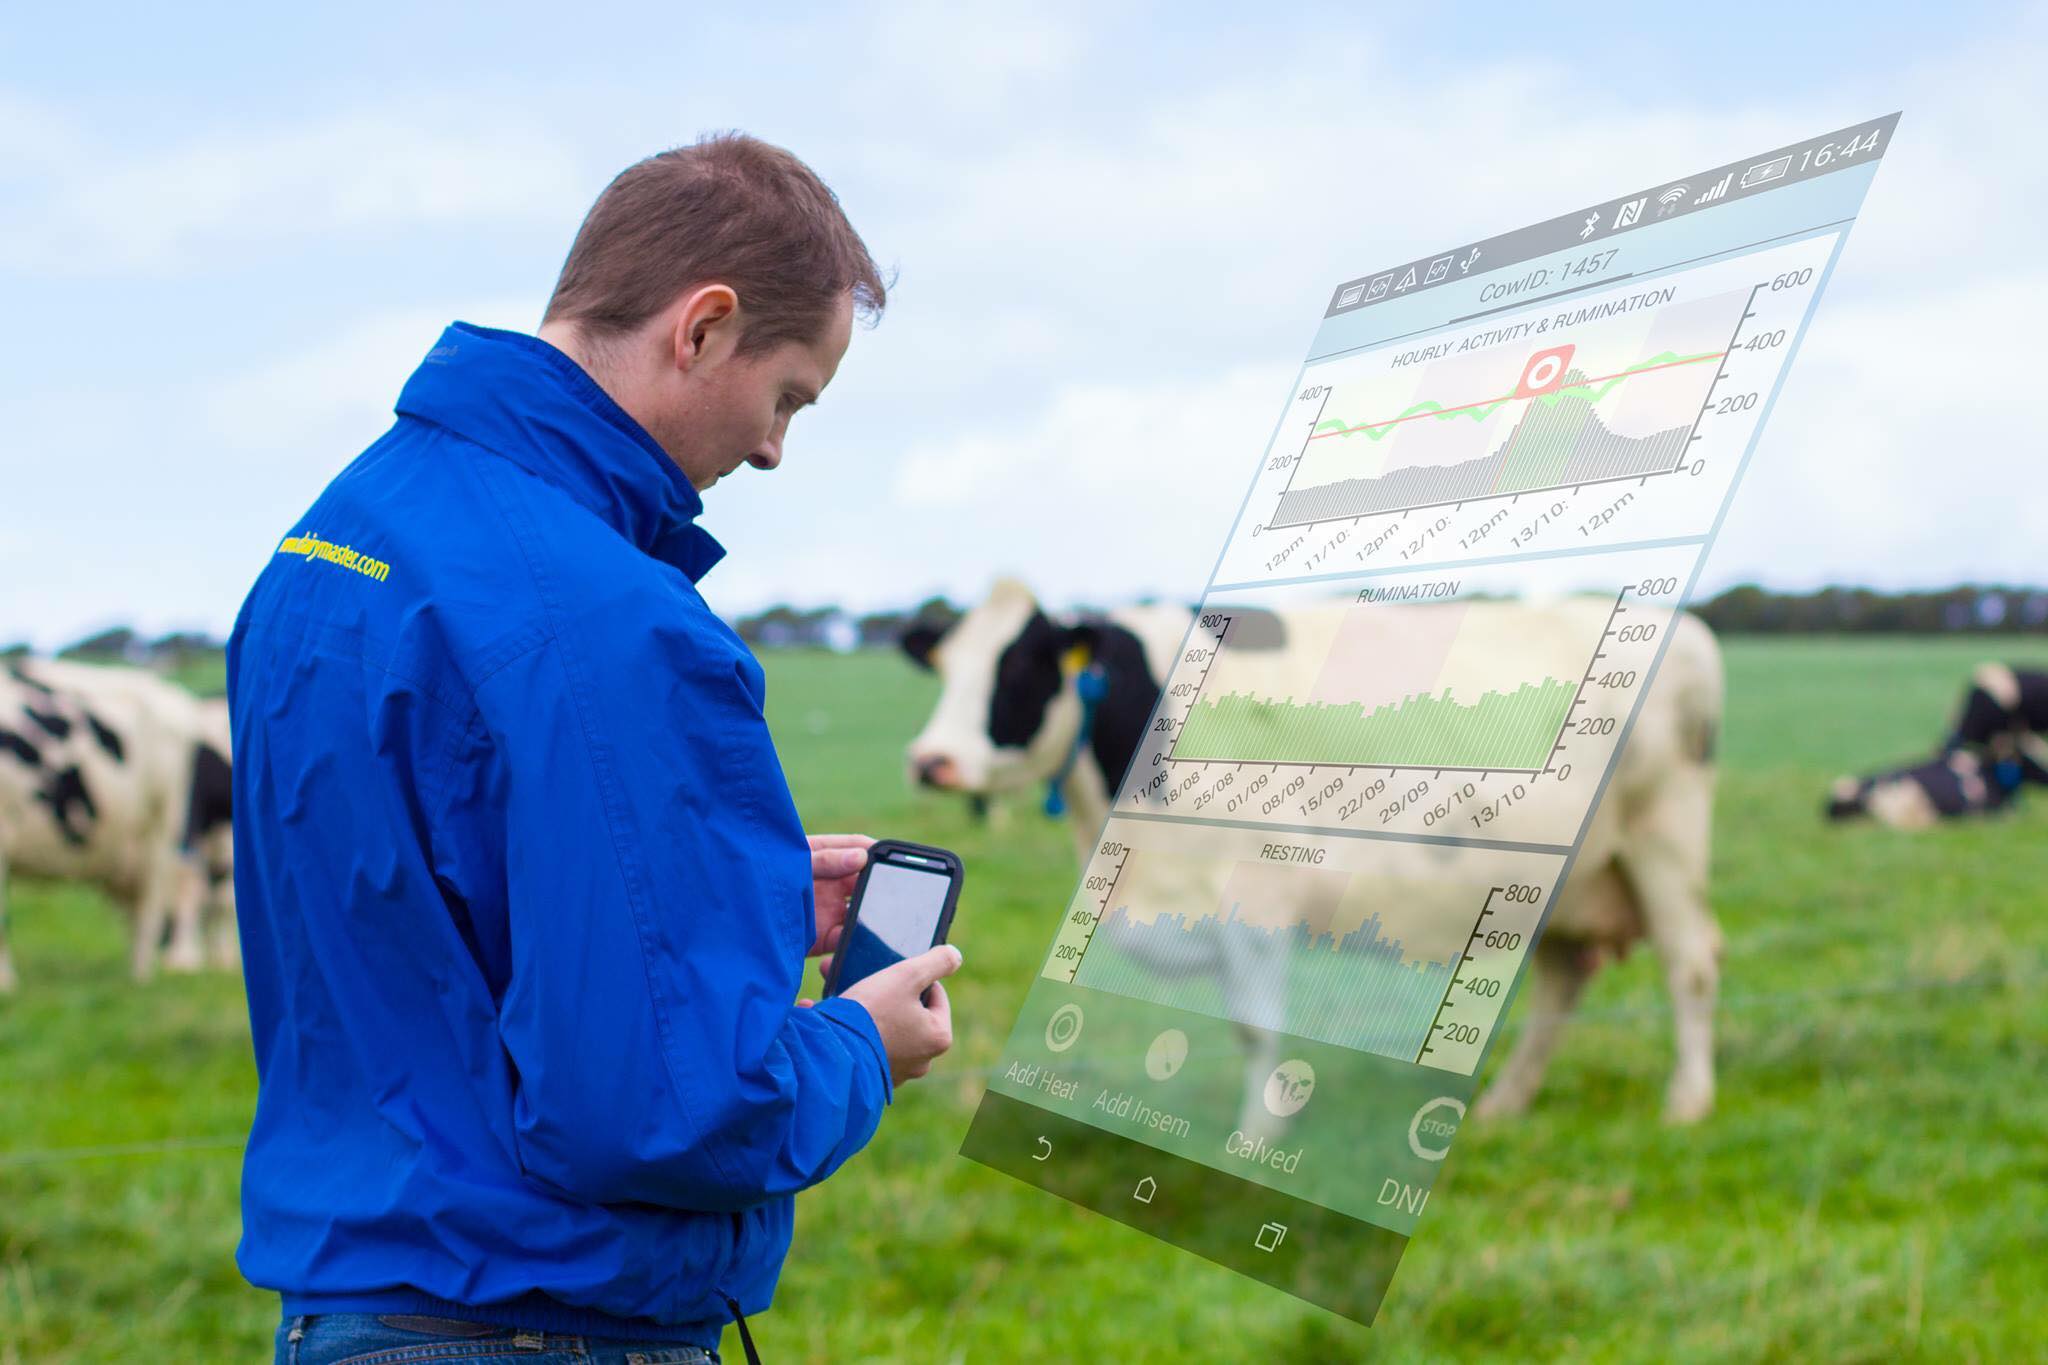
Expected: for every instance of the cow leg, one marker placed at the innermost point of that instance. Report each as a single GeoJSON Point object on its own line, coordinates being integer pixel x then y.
{"type": "Point", "coordinates": [186, 951]}
{"type": "Point", "coordinates": [224, 941]}
{"type": "Point", "coordinates": [1261, 1055]}
{"type": "Point", "coordinates": [161, 885]}
{"type": "Point", "coordinates": [1254, 981]}
{"type": "Point", "coordinates": [1087, 807]}
{"type": "Point", "coordinates": [1665, 862]}
{"type": "Point", "coordinates": [145, 928]}
{"type": "Point", "coordinates": [1083, 836]}
{"type": "Point", "coordinates": [1561, 970]}
{"type": "Point", "coordinates": [8, 981]}
{"type": "Point", "coordinates": [1990, 708]}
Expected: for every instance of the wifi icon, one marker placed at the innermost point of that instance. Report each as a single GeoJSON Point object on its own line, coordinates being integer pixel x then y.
{"type": "Point", "coordinates": [1669, 199]}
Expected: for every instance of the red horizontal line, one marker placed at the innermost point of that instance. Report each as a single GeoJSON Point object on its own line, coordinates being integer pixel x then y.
{"type": "Point", "coordinates": [1507, 397]}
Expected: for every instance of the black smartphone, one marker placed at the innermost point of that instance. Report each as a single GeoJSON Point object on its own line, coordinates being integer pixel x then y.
{"type": "Point", "coordinates": [902, 905]}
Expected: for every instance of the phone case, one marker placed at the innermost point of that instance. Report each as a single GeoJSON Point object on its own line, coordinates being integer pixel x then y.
{"type": "Point", "coordinates": [879, 852]}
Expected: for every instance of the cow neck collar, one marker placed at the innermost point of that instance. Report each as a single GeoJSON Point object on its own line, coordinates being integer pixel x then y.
{"type": "Point", "coordinates": [523, 399]}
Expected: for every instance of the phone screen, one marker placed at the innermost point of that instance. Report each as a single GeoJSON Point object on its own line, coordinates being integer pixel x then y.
{"type": "Point", "coordinates": [898, 914]}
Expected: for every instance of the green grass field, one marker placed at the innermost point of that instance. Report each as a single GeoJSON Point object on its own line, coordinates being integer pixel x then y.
{"type": "Point", "coordinates": [1873, 1185]}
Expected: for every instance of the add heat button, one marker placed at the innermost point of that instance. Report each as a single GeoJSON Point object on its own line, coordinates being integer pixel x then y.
{"type": "Point", "coordinates": [1434, 1125]}
{"type": "Point", "coordinates": [1063, 1030]}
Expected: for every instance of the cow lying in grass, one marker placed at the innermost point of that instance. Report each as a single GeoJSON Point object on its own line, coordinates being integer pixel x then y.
{"type": "Point", "coordinates": [1999, 745]}
{"type": "Point", "coordinates": [1008, 716]}
{"type": "Point", "coordinates": [120, 778]}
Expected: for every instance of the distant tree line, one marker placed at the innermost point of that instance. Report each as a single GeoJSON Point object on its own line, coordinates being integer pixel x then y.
{"type": "Point", "coordinates": [1967, 609]}
{"type": "Point", "coordinates": [834, 628]}
{"type": "Point", "coordinates": [1744, 610]}
{"type": "Point", "coordinates": [121, 645]}
{"type": "Point", "coordinates": [778, 627]}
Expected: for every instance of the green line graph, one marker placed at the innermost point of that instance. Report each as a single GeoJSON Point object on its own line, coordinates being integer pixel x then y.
{"type": "Point", "coordinates": [1589, 390]}
{"type": "Point", "coordinates": [1499, 731]}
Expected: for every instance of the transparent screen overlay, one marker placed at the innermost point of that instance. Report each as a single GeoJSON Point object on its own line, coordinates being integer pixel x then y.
{"type": "Point", "coordinates": [1461, 563]}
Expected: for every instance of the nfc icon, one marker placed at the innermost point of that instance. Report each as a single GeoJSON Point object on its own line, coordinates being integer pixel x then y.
{"type": "Point", "coordinates": [1544, 372]}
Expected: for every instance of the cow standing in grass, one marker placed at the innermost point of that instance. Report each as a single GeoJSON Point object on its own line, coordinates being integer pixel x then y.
{"type": "Point", "coordinates": [120, 778]}
{"type": "Point", "coordinates": [1009, 714]}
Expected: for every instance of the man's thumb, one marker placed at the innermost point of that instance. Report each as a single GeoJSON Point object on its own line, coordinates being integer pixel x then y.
{"type": "Point", "coordinates": [931, 965]}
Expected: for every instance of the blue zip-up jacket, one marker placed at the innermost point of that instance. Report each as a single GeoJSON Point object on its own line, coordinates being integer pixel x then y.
{"type": "Point", "coordinates": [524, 898]}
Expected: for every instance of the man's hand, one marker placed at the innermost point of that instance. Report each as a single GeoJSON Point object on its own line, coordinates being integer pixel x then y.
{"type": "Point", "coordinates": [836, 861]}
{"type": "Point", "coordinates": [913, 1032]}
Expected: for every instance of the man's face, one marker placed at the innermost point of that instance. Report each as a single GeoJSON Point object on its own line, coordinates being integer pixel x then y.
{"type": "Point", "coordinates": [733, 409]}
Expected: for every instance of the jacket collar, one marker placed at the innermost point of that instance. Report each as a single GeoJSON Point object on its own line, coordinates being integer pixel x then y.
{"type": "Point", "coordinates": [525, 400]}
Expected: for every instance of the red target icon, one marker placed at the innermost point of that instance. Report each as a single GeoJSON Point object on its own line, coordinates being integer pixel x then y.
{"type": "Point", "coordinates": [1544, 372]}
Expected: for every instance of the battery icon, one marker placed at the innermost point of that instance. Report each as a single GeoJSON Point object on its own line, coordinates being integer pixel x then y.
{"type": "Point", "coordinates": [1765, 171]}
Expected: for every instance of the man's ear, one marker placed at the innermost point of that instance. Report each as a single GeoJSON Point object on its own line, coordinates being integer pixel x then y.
{"type": "Point", "coordinates": [917, 642]}
{"type": "Point", "coordinates": [707, 325]}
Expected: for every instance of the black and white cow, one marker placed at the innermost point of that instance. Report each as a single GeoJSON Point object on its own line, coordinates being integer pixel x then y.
{"type": "Point", "coordinates": [121, 778]}
{"type": "Point", "coordinates": [1008, 716]}
{"type": "Point", "coordinates": [1999, 745]}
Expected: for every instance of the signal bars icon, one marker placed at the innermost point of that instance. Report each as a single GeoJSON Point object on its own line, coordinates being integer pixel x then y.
{"type": "Point", "coordinates": [1720, 188]}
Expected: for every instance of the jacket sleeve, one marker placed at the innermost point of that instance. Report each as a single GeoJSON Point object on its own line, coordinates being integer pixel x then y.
{"type": "Point", "coordinates": [660, 904]}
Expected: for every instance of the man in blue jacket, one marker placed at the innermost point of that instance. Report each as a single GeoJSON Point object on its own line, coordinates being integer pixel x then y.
{"type": "Point", "coordinates": [524, 898]}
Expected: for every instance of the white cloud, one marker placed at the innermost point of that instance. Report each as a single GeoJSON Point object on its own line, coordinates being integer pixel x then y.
{"type": "Point", "coordinates": [1109, 489]}
{"type": "Point", "coordinates": [1220, 213]}
{"type": "Point", "coordinates": [336, 394]}
{"type": "Point", "coordinates": [973, 65]}
{"type": "Point", "coordinates": [161, 499]}
{"type": "Point", "coordinates": [1898, 456]}
{"type": "Point", "coordinates": [1111, 267]}
{"type": "Point", "coordinates": [1096, 443]}
{"type": "Point", "coordinates": [98, 209]}
{"type": "Point", "coordinates": [35, 139]}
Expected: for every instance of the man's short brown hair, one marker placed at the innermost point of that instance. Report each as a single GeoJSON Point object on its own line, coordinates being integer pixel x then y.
{"type": "Point", "coordinates": [732, 210]}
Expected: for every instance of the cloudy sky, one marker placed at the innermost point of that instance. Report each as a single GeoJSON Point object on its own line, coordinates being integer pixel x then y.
{"type": "Point", "coordinates": [225, 240]}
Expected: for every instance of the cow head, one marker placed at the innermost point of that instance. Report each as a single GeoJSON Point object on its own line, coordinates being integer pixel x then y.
{"type": "Point", "coordinates": [1006, 716]}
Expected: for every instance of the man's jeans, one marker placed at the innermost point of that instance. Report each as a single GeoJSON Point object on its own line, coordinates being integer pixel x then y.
{"type": "Point", "coordinates": [398, 1339]}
